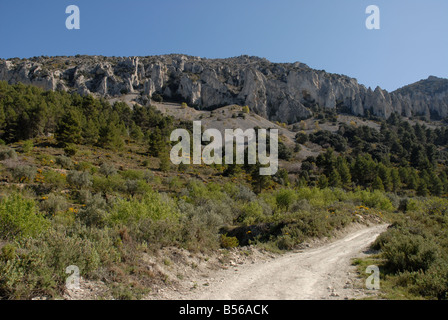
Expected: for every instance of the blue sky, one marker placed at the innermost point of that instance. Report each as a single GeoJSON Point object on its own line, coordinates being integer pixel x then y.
{"type": "Point", "coordinates": [325, 34]}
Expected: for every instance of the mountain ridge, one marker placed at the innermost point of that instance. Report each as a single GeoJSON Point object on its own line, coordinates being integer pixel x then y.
{"type": "Point", "coordinates": [285, 92]}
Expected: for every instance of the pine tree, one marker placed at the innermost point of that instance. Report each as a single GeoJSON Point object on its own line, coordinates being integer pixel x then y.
{"type": "Point", "coordinates": [156, 142]}
{"type": "Point", "coordinates": [378, 184]}
{"type": "Point", "coordinates": [259, 182]}
{"type": "Point", "coordinates": [422, 189]}
{"type": "Point", "coordinates": [344, 172]}
{"type": "Point", "coordinates": [110, 137]}
{"type": "Point", "coordinates": [384, 174]}
{"type": "Point", "coordinates": [334, 179]}
{"type": "Point", "coordinates": [165, 162]}
{"type": "Point", "coordinates": [90, 133]}
{"type": "Point", "coordinates": [69, 128]}
{"type": "Point", "coordinates": [322, 183]}
{"type": "Point", "coordinates": [396, 181]}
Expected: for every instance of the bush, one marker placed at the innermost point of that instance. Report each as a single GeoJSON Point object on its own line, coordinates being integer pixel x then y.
{"type": "Point", "coordinates": [94, 213]}
{"type": "Point", "coordinates": [114, 183]}
{"type": "Point", "coordinates": [133, 174]}
{"type": "Point", "coordinates": [301, 205]}
{"type": "Point", "coordinates": [433, 282]}
{"type": "Point", "coordinates": [229, 242]}
{"type": "Point", "coordinates": [200, 224]}
{"type": "Point", "coordinates": [71, 150]}
{"type": "Point", "coordinates": [7, 153]}
{"type": "Point", "coordinates": [55, 179]}
{"type": "Point", "coordinates": [39, 265]}
{"type": "Point", "coordinates": [20, 218]}
{"type": "Point", "coordinates": [85, 166]}
{"type": "Point", "coordinates": [27, 146]}
{"type": "Point", "coordinates": [79, 179]}
{"type": "Point", "coordinates": [174, 183]}
{"type": "Point", "coordinates": [251, 213]}
{"type": "Point", "coordinates": [64, 162]}
{"type": "Point", "coordinates": [284, 198]}
{"type": "Point", "coordinates": [53, 203]}
{"type": "Point", "coordinates": [8, 252]}
{"type": "Point", "coordinates": [157, 97]}
{"type": "Point", "coordinates": [375, 199]}
{"type": "Point", "coordinates": [409, 253]}
{"type": "Point", "coordinates": [240, 192]}
{"type": "Point", "coordinates": [134, 187]}
{"type": "Point", "coordinates": [151, 206]}
{"type": "Point", "coordinates": [22, 173]}
{"type": "Point", "coordinates": [107, 169]}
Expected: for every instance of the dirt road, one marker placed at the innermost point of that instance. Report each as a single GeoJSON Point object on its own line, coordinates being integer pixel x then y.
{"type": "Point", "coordinates": [319, 273]}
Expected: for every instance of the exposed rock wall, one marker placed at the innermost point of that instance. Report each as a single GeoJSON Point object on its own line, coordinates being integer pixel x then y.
{"type": "Point", "coordinates": [283, 92]}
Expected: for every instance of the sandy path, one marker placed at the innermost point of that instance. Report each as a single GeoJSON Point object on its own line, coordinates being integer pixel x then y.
{"type": "Point", "coordinates": [318, 273]}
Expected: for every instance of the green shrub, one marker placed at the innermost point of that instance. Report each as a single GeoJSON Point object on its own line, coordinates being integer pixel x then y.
{"type": "Point", "coordinates": [409, 253]}
{"type": "Point", "coordinates": [174, 183]}
{"type": "Point", "coordinates": [107, 169]}
{"type": "Point", "coordinates": [64, 162]}
{"type": "Point", "coordinates": [375, 199]}
{"type": "Point", "coordinates": [94, 214]}
{"type": "Point", "coordinates": [114, 183]}
{"type": "Point", "coordinates": [38, 268]}
{"type": "Point", "coordinates": [70, 150]}
{"type": "Point", "coordinates": [148, 176]}
{"type": "Point", "coordinates": [7, 153]}
{"type": "Point", "coordinates": [157, 97]}
{"type": "Point", "coordinates": [79, 179]}
{"type": "Point", "coordinates": [20, 218]}
{"type": "Point", "coordinates": [53, 203]}
{"type": "Point", "coordinates": [151, 206]}
{"type": "Point", "coordinates": [23, 173]}
{"type": "Point", "coordinates": [200, 224]}
{"type": "Point", "coordinates": [286, 242]}
{"type": "Point", "coordinates": [134, 187]}
{"type": "Point", "coordinates": [27, 146]}
{"type": "Point", "coordinates": [55, 178]}
{"type": "Point", "coordinates": [301, 205]}
{"type": "Point", "coordinates": [229, 242]}
{"type": "Point", "coordinates": [433, 282]}
{"type": "Point", "coordinates": [251, 213]}
{"type": "Point", "coordinates": [85, 166]}
{"type": "Point", "coordinates": [285, 198]}
{"type": "Point", "coordinates": [132, 174]}
{"type": "Point", "coordinates": [436, 206]}
{"type": "Point", "coordinates": [8, 252]}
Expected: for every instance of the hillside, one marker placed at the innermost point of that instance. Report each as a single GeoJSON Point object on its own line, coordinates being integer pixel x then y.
{"type": "Point", "coordinates": [88, 182]}
{"type": "Point", "coordinates": [284, 92]}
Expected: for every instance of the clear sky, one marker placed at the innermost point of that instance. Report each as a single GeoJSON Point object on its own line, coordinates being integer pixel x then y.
{"type": "Point", "coordinates": [325, 34]}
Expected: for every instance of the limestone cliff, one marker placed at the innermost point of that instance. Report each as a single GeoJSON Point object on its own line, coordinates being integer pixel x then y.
{"type": "Point", "coordinates": [283, 92]}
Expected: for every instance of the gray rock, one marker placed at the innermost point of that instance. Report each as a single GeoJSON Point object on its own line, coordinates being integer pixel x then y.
{"type": "Point", "coordinates": [284, 92]}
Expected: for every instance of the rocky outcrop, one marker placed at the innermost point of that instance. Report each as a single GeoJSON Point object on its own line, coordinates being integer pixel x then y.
{"type": "Point", "coordinates": [427, 97]}
{"type": "Point", "coordinates": [281, 92]}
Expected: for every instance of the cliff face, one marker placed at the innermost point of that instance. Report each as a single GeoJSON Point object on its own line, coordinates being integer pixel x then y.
{"type": "Point", "coordinates": [282, 92]}
{"type": "Point", "coordinates": [428, 97]}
